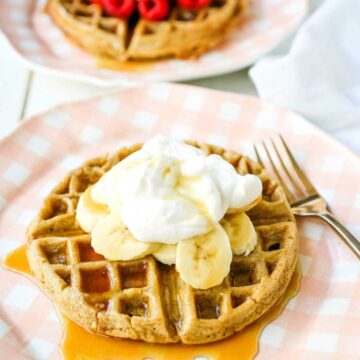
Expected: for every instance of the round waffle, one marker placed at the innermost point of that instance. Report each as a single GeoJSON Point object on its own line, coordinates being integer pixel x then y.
{"type": "Point", "coordinates": [184, 34]}
{"type": "Point", "coordinates": [144, 299]}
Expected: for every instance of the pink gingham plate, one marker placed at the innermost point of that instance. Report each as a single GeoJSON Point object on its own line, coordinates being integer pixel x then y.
{"type": "Point", "coordinates": [321, 322]}
{"type": "Point", "coordinates": [42, 45]}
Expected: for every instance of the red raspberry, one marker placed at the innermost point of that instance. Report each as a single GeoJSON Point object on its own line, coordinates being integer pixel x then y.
{"type": "Point", "coordinates": [97, 2]}
{"type": "Point", "coordinates": [118, 8]}
{"type": "Point", "coordinates": [193, 4]}
{"type": "Point", "coordinates": [153, 9]}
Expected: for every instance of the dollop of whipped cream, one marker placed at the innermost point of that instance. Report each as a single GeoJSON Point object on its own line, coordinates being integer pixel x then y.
{"type": "Point", "coordinates": [170, 191]}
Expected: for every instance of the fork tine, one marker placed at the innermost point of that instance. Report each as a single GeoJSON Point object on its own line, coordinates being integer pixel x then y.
{"type": "Point", "coordinates": [258, 158]}
{"type": "Point", "coordinates": [288, 193]}
{"type": "Point", "coordinates": [306, 182]}
{"type": "Point", "coordinates": [299, 192]}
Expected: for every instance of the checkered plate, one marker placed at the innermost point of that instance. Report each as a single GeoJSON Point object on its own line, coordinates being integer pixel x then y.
{"type": "Point", "coordinates": [322, 322]}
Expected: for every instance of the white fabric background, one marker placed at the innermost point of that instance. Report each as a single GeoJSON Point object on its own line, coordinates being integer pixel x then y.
{"type": "Point", "coordinates": [320, 75]}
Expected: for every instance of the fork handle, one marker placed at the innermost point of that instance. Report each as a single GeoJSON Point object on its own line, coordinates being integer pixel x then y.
{"type": "Point", "coordinates": [345, 234]}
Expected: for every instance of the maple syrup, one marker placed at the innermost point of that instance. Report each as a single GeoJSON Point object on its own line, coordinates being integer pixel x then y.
{"type": "Point", "coordinates": [87, 253]}
{"type": "Point", "coordinates": [79, 344]}
{"type": "Point", "coordinates": [127, 66]}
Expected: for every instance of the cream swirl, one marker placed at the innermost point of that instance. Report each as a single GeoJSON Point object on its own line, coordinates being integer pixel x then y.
{"type": "Point", "coordinates": [170, 191]}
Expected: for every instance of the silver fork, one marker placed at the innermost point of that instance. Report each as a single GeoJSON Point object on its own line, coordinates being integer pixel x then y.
{"type": "Point", "coordinates": [303, 197]}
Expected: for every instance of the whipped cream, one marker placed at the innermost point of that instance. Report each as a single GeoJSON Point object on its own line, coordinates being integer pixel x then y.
{"type": "Point", "coordinates": [170, 191]}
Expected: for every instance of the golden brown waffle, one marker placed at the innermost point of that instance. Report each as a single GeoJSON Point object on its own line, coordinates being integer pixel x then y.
{"type": "Point", "coordinates": [185, 34]}
{"type": "Point", "coordinates": [144, 299]}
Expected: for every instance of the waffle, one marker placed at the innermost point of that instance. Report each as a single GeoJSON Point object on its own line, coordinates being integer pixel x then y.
{"type": "Point", "coordinates": [184, 34]}
{"type": "Point", "coordinates": [144, 299]}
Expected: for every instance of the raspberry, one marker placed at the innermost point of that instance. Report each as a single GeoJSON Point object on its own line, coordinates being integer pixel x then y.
{"type": "Point", "coordinates": [193, 4]}
{"type": "Point", "coordinates": [118, 8]}
{"type": "Point", "coordinates": [153, 9]}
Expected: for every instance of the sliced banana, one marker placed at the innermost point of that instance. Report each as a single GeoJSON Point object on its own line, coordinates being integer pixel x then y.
{"type": "Point", "coordinates": [89, 212]}
{"type": "Point", "coordinates": [112, 239]}
{"type": "Point", "coordinates": [241, 232]}
{"type": "Point", "coordinates": [204, 261]}
{"type": "Point", "coordinates": [166, 254]}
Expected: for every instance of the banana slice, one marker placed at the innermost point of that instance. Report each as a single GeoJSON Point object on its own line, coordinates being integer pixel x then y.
{"type": "Point", "coordinates": [203, 261]}
{"type": "Point", "coordinates": [89, 212]}
{"type": "Point", "coordinates": [166, 254]}
{"type": "Point", "coordinates": [112, 239]}
{"type": "Point", "coordinates": [241, 232]}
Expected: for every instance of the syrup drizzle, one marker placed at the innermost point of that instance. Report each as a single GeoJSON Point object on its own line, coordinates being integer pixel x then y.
{"type": "Point", "coordinates": [128, 66]}
{"type": "Point", "coordinates": [78, 343]}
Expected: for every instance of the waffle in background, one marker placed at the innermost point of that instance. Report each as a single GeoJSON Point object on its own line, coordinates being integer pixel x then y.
{"type": "Point", "coordinates": [185, 34]}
